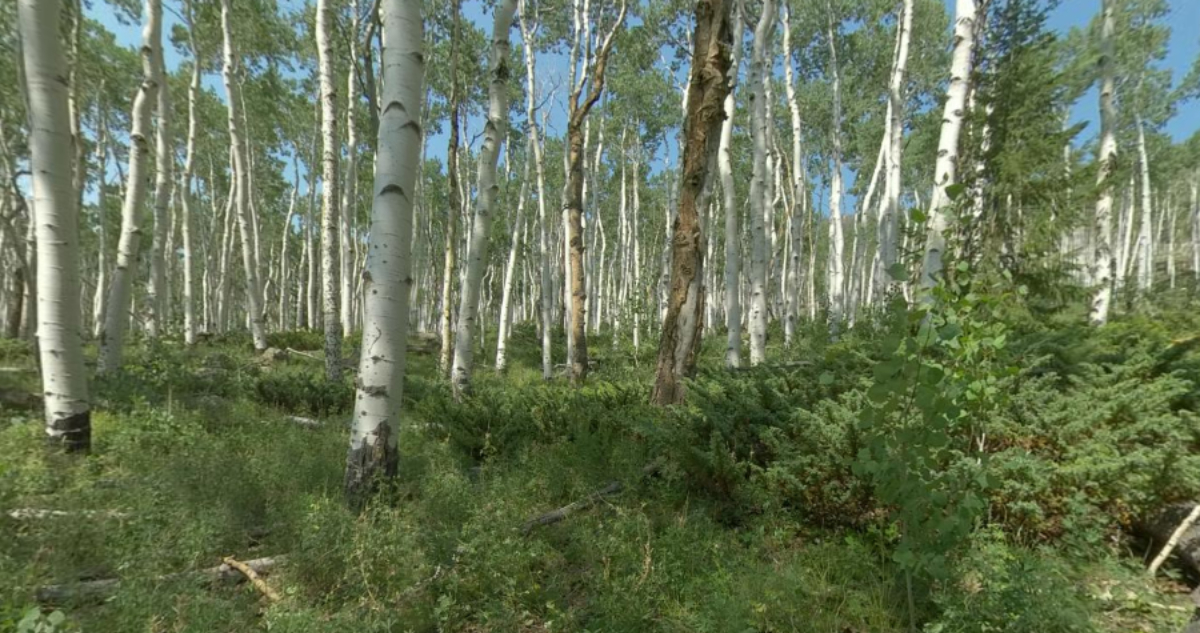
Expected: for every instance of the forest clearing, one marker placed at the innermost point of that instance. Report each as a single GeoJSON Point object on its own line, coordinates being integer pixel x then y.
{"type": "Point", "coordinates": [854, 316]}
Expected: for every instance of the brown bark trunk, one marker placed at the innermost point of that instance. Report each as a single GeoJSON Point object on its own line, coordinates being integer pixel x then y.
{"type": "Point", "coordinates": [572, 201]}
{"type": "Point", "coordinates": [707, 88]}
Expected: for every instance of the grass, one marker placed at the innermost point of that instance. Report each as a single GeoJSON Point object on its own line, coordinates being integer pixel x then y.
{"type": "Point", "coordinates": [202, 465]}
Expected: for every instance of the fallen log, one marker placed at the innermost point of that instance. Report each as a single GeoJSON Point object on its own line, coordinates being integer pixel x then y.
{"type": "Point", "coordinates": [303, 421]}
{"type": "Point", "coordinates": [33, 514]}
{"type": "Point", "coordinates": [554, 516]}
{"type": "Point", "coordinates": [251, 575]}
{"type": "Point", "coordinates": [1161, 529]}
{"type": "Point", "coordinates": [594, 497]}
{"type": "Point", "coordinates": [1166, 550]}
{"type": "Point", "coordinates": [305, 355]}
{"type": "Point", "coordinates": [94, 590]}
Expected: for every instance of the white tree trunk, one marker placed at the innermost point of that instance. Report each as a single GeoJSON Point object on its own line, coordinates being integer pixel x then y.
{"type": "Point", "coordinates": [1196, 227]}
{"type": "Point", "coordinates": [388, 278]}
{"type": "Point", "coordinates": [945, 174]}
{"type": "Point", "coordinates": [102, 232]}
{"type": "Point", "coordinates": [510, 267]}
{"type": "Point", "coordinates": [1103, 262]}
{"type": "Point", "coordinates": [156, 295]}
{"type": "Point", "coordinates": [120, 298]}
{"type": "Point", "coordinates": [1170, 229]}
{"type": "Point", "coordinates": [889, 218]}
{"type": "Point", "coordinates": [349, 184]}
{"type": "Point", "coordinates": [330, 218]}
{"type": "Point", "coordinates": [836, 241]}
{"type": "Point", "coordinates": [189, 283]}
{"type": "Point", "coordinates": [494, 130]}
{"type": "Point", "coordinates": [733, 239]}
{"type": "Point", "coordinates": [758, 185]}
{"type": "Point", "coordinates": [545, 292]}
{"type": "Point", "coordinates": [241, 176]}
{"type": "Point", "coordinates": [795, 234]}
{"type": "Point", "coordinates": [1145, 277]}
{"type": "Point", "coordinates": [60, 343]}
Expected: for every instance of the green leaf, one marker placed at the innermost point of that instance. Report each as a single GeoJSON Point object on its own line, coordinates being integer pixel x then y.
{"type": "Point", "coordinates": [955, 191]}
{"type": "Point", "coordinates": [825, 378]}
{"type": "Point", "coordinates": [897, 272]}
{"type": "Point", "coordinates": [918, 216]}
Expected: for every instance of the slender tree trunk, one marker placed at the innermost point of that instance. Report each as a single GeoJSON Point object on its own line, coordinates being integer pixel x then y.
{"type": "Point", "coordinates": [945, 175]}
{"type": "Point", "coordinates": [572, 201]}
{"type": "Point", "coordinates": [1195, 187]}
{"type": "Point", "coordinates": [350, 183]}
{"type": "Point", "coordinates": [98, 305]}
{"type": "Point", "coordinates": [60, 344]}
{"type": "Point", "coordinates": [284, 263]}
{"type": "Point", "coordinates": [189, 284]}
{"type": "Point", "coordinates": [1171, 219]}
{"type": "Point", "coordinates": [1103, 263]}
{"type": "Point", "coordinates": [889, 219]}
{"type": "Point", "coordinates": [310, 246]}
{"type": "Point", "coordinates": [707, 87]}
{"type": "Point", "coordinates": [156, 296]}
{"type": "Point", "coordinates": [795, 242]}
{"type": "Point", "coordinates": [120, 299]}
{"type": "Point", "coordinates": [1145, 232]}
{"type": "Point", "coordinates": [241, 176]}
{"type": "Point", "coordinates": [455, 208]}
{"type": "Point", "coordinates": [758, 184]}
{"type": "Point", "coordinates": [373, 453]}
{"type": "Point", "coordinates": [78, 146]}
{"type": "Point", "coordinates": [836, 240]}
{"type": "Point", "coordinates": [510, 267]}
{"type": "Point", "coordinates": [733, 239]}
{"type": "Point", "coordinates": [330, 218]}
{"type": "Point", "coordinates": [546, 302]}
{"type": "Point", "coordinates": [489, 154]}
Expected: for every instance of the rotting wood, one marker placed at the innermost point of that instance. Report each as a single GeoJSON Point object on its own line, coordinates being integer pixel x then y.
{"type": "Point", "coordinates": [303, 421]}
{"type": "Point", "coordinates": [31, 514]}
{"type": "Point", "coordinates": [594, 497]}
{"type": "Point", "coordinates": [253, 577]}
{"type": "Point", "coordinates": [96, 590]}
{"type": "Point", "coordinates": [1163, 554]}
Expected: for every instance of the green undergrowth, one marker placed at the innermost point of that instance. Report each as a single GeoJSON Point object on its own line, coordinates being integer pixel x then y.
{"type": "Point", "coordinates": [757, 517]}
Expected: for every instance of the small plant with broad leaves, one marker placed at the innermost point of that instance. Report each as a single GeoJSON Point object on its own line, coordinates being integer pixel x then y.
{"type": "Point", "coordinates": [941, 377]}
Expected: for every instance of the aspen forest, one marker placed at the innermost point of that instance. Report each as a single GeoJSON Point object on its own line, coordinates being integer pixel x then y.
{"type": "Point", "coordinates": [492, 316]}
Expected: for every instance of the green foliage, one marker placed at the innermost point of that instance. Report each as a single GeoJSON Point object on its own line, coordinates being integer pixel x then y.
{"type": "Point", "coordinates": [785, 494]}
{"type": "Point", "coordinates": [940, 381]}
{"type": "Point", "coordinates": [303, 340]}
{"type": "Point", "coordinates": [300, 391]}
{"type": "Point", "coordinates": [34, 621]}
{"type": "Point", "coordinates": [161, 372]}
{"type": "Point", "coordinates": [768, 440]}
{"type": "Point", "coordinates": [1003, 588]}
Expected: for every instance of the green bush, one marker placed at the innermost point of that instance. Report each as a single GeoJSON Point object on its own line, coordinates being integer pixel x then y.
{"type": "Point", "coordinates": [768, 439]}
{"type": "Point", "coordinates": [303, 340]}
{"type": "Point", "coordinates": [1003, 588]}
{"type": "Point", "coordinates": [297, 390]}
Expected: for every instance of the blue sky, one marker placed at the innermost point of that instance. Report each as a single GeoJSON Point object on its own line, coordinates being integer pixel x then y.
{"type": "Point", "coordinates": [1184, 48]}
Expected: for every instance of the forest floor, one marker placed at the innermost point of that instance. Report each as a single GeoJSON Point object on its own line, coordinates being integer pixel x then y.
{"type": "Point", "coordinates": [199, 454]}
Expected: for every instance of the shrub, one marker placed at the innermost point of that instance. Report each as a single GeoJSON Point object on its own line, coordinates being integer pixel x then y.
{"type": "Point", "coordinates": [301, 391]}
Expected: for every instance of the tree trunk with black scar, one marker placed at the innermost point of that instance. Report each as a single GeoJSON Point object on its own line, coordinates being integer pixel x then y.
{"type": "Point", "coordinates": [59, 326]}
{"type": "Point", "coordinates": [387, 281]}
{"type": "Point", "coordinates": [707, 87]}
